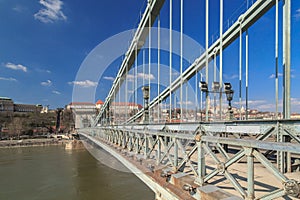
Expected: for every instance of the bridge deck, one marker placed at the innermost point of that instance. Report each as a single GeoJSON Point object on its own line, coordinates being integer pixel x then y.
{"type": "Point", "coordinates": [264, 183]}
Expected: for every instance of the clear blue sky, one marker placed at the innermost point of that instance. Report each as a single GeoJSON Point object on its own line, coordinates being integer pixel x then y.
{"type": "Point", "coordinates": [44, 42]}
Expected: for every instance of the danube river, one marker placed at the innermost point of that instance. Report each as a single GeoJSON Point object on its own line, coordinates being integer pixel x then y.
{"type": "Point", "coordinates": [53, 173]}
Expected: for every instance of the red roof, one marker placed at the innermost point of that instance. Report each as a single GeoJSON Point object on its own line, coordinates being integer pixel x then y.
{"type": "Point", "coordinates": [99, 102]}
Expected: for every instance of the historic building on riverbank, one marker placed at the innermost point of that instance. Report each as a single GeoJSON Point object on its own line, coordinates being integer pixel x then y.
{"type": "Point", "coordinates": [7, 105]}
{"type": "Point", "coordinates": [83, 112]}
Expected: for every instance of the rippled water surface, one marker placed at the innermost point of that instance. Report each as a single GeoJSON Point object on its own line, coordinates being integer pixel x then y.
{"type": "Point", "coordinates": [55, 173]}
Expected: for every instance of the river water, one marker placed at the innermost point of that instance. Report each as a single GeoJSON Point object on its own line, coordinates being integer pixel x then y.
{"type": "Point", "coordinates": [53, 173]}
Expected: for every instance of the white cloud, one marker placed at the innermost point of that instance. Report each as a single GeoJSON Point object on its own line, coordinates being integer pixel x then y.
{"type": "Point", "coordinates": [279, 75]}
{"type": "Point", "coordinates": [146, 76]}
{"type": "Point", "coordinates": [175, 73]}
{"type": "Point", "coordinates": [86, 83]}
{"type": "Point", "coordinates": [131, 77]}
{"type": "Point", "coordinates": [297, 15]}
{"type": "Point", "coordinates": [19, 8]}
{"type": "Point", "coordinates": [7, 79]}
{"type": "Point", "coordinates": [251, 102]}
{"type": "Point", "coordinates": [273, 75]}
{"type": "Point", "coordinates": [230, 77]}
{"type": "Point", "coordinates": [43, 70]}
{"type": "Point", "coordinates": [266, 107]}
{"type": "Point", "coordinates": [185, 103]}
{"type": "Point", "coordinates": [52, 11]}
{"type": "Point", "coordinates": [109, 78]}
{"type": "Point", "coordinates": [55, 92]}
{"type": "Point", "coordinates": [295, 101]}
{"type": "Point", "coordinates": [46, 83]}
{"type": "Point", "coordinates": [16, 67]}
{"type": "Point", "coordinates": [261, 105]}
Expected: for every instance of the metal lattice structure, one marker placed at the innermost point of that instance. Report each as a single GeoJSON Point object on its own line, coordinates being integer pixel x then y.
{"type": "Point", "coordinates": [231, 154]}
{"type": "Point", "coordinates": [235, 31]}
{"type": "Point", "coordinates": [209, 151]}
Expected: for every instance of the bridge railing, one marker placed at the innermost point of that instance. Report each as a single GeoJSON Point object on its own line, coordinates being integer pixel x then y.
{"type": "Point", "coordinates": [211, 152]}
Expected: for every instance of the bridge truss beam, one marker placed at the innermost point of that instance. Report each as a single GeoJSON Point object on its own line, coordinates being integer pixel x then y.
{"type": "Point", "coordinates": [209, 152]}
{"type": "Point", "coordinates": [246, 20]}
{"type": "Point", "coordinates": [152, 11]}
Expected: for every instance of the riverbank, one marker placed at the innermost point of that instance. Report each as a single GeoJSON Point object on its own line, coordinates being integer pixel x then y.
{"type": "Point", "coordinates": [68, 144]}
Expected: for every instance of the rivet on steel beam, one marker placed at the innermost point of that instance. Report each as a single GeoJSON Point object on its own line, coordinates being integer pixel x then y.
{"type": "Point", "coordinates": [292, 188]}
{"type": "Point", "coordinates": [248, 151]}
{"type": "Point", "coordinates": [215, 50]}
{"type": "Point", "coordinates": [241, 19]}
{"type": "Point", "coordinates": [198, 137]}
{"type": "Point", "coordinates": [221, 167]}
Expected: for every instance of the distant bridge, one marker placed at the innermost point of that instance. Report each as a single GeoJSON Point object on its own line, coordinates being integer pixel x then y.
{"type": "Point", "coordinates": [214, 155]}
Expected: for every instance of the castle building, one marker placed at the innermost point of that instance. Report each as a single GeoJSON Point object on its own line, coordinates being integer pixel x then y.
{"type": "Point", "coordinates": [7, 105]}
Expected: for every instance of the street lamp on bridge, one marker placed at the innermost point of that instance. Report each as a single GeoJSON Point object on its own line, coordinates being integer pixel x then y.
{"type": "Point", "coordinates": [229, 95]}
{"type": "Point", "coordinates": [215, 89]}
{"type": "Point", "coordinates": [145, 90]}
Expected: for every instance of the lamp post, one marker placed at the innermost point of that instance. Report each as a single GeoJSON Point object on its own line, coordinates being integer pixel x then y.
{"type": "Point", "coordinates": [216, 89]}
{"type": "Point", "coordinates": [146, 90]}
{"type": "Point", "coordinates": [229, 95]}
{"type": "Point", "coordinates": [204, 88]}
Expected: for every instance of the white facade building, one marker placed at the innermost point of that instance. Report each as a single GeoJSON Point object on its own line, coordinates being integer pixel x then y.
{"type": "Point", "coordinates": [84, 113]}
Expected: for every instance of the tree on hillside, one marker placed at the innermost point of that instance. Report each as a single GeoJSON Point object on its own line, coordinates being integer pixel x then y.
{"type": "Point", "coordinates": [16, 127]}
{"type": "Point", "coordinates": [67, 120]}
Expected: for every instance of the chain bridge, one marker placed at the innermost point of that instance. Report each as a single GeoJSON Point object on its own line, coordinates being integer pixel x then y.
{"type": "Point", "coordinates": [203, 144]}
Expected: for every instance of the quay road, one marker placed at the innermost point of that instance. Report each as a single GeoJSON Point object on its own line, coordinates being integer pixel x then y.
{"type": "Point", "coordinates": [229, 160]}
{"type": "Point", "coordinates": [32, 142]}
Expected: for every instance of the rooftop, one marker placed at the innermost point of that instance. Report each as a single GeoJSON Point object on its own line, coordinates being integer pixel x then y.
{"type": "Point", "coordinates": [5, 98]}
{"type": "Point", "coordinates": [99, 102]}
{"type": "Point", "coordinates": [80, 103]}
